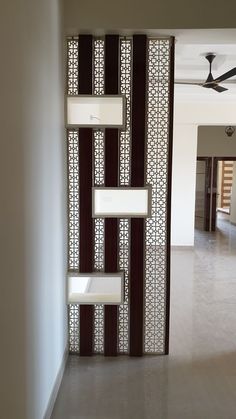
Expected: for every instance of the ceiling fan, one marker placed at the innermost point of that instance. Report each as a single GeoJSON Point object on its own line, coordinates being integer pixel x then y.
{"type": "Point", "coordinates": [210, 82]}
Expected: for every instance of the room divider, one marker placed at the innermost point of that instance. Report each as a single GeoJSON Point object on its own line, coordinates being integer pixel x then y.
{"type": "Point", "coordinates": [110, 166]}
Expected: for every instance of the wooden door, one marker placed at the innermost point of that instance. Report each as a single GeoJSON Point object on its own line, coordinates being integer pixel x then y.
{"type": "Point", "coordinates": [206, 194]}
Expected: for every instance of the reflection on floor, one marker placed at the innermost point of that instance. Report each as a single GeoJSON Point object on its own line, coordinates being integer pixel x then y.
{"type": "Point", "coordinates": [198, 379]}
{"type": "Point", "coordinates": [224, 210]}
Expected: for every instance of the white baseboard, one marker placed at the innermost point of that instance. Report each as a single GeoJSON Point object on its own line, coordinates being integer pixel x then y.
{"type": "Point", "coordinates": [56, 387]}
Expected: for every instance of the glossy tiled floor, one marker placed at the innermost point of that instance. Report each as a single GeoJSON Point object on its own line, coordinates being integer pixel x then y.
{"type": "Point", "coordinates": [198, 379]}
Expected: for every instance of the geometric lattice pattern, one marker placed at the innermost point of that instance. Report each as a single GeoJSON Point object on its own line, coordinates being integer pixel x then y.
{"type": "Point", "coordinates": [73, 189]}
{"type": "Point", "coordinates": [125, 89]}
{"type": "Point", "coordinates": [72, 65]}
{"type": "Point", "coordinates": [123, 256]}
{"type": "Point", "coordinates": [157, 177]}
{"type": "Point", "coordinates": [73, 314]}
{"type": "Point", "coordinates": [99, 69]}
{"type": "Point", "coordinates": [73, 198]}
{"type": "Point", "coordinates": [124, 179]}
{"type": "Point", "coordinates": [99, 178]}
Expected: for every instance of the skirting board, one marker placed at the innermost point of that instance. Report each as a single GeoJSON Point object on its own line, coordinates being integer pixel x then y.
{"type": "Point", "coordinates": [182, 247]}
{"type": "Point", "coordinates": [56, 386]}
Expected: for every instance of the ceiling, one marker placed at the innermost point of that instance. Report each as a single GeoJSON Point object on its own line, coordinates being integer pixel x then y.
{"type": "Point", "coordinates": [191, 65]}
{"type": "Point", "coordinates": [191, 47]}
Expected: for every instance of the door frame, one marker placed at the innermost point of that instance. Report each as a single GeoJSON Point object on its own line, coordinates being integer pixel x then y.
{"type": "Point", "coordinates": [211, 194]}
{"type": "Point", "coordinates": [208, 193]}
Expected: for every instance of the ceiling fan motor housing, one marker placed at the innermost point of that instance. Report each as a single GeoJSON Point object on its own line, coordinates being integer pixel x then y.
{"type": "Point", "coordinates": [210, 57]}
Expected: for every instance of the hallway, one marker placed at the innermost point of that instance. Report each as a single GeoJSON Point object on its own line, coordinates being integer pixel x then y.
{"type": "Point", "coordinates": [198, 379]}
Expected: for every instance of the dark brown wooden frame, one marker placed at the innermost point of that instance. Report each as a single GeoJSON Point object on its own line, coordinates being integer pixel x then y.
{"type": "Point", "coordinates": [137, 179]}
{"type": "Point", "coordinates": [85, 195]}
{"type": "Point", "coordinates": [111, 179]}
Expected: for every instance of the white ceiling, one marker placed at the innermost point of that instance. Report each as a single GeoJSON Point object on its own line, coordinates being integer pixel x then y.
{"type": "Point", "coordinates": [191, 47]}
{"type": "Point", "coordinates": [191, 65]}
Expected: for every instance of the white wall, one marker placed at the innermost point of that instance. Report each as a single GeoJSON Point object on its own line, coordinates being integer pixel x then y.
{"type": "Point", "coordinates": [187, 117]}
{"type": "Point", "coordinates": [221, 112]}
{"type": "Point", "coordinates": [32, 154]}
{"type": "Point", "coordinates": [183, 185]}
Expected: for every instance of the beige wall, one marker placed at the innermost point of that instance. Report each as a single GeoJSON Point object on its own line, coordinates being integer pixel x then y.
{"type": "Point", "coordinates": [32, 209]}
{"type": "Point", "coordinates": [149, 14]}
{"type": "Point", "coordinates": [212, 141]}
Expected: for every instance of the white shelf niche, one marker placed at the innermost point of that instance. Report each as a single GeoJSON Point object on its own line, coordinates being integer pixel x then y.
{"type": "Point", "coordinates": [96, 111]}
{"type": "Point", "coordinates": [121, 202]}
{"type": "Point", "coordinates": [96, 288]}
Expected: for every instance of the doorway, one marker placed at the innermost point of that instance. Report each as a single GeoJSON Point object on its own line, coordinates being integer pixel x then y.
{"type": "Point", "coordinates": [214, 182]}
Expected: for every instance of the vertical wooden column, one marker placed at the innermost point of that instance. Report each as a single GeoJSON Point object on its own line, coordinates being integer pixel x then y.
{"type": "Point", "coordinates": [214, 194]}
{"type": "Point", "coordinates": [111, 179]}
{"type": "Point", "coordinates": [137, 179]}
{"type": "Point", "coordinates": [85, 194]}
{"type": "Point", "coordinates": [208, 176]}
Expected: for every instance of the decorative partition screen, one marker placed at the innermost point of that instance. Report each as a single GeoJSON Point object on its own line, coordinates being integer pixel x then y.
{"type": "Point", "coordinates": [141, 69]}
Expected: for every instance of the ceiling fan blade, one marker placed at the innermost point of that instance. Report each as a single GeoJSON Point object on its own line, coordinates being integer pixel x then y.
{"type": "Point", "coordinates": [208, 83]}
{"type": "Point", "coordinates": [227, 75]}
{"type": "Point", "coordinates": [219, 89]}
{"type": "Point", "coordinates": [188, 83]}
{"type": "Point", "coordinates": [229, 81]}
